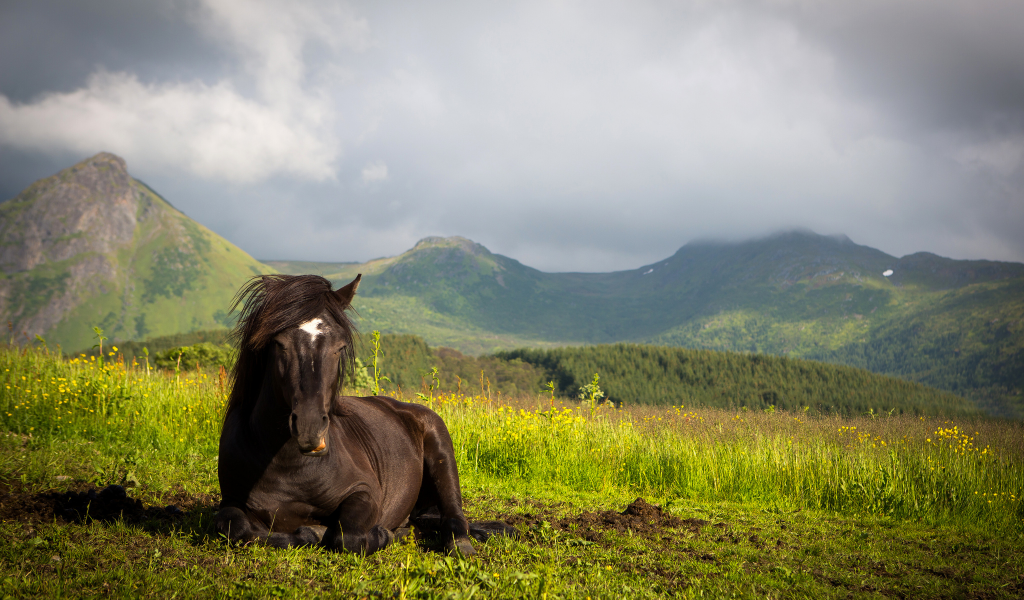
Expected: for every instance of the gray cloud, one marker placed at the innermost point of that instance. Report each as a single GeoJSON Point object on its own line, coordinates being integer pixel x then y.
{"type": "Point", "coordinates": [947, 65]}
{"type": "Point", "coordinates": [54, 46]}
{"type": "Point", "coordinates": [585, 136]}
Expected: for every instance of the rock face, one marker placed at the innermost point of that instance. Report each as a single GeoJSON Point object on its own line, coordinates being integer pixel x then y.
{"type": "Point", "coordinates": [90, 207]}
{"type": "Point", "coordinates": [91, 246]}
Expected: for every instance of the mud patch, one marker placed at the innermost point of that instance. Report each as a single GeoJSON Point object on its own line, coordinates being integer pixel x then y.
{"type": "Point", "coordinates": [640, 517]}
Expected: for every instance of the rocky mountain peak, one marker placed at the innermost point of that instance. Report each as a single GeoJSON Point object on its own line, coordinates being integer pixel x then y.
{"type": "Point", "coordinates": [89, 207]}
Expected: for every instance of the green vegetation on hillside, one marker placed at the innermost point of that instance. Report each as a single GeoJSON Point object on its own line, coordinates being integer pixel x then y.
{"type": "Point", "coordinates": [407, 362]}
{"type": "Point", "coordinates": [659, 375]}
{"type": "Point", "coordinates": [969, 340]}
{"type": "Point", "coordinates": [797, 294]}
{"type": "Point", "coordinates": [630, 374]}
{"type": "Point", "coordinates": [412, 316]}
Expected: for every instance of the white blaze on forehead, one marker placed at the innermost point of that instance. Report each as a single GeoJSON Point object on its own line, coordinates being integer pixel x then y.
{"type": "Point", "coordinates": [312, 327]}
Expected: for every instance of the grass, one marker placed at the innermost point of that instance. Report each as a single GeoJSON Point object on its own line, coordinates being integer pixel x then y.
{"type": "Point", "coordinates": [744, 552]}
{"type": "Point", "coordinates": [782, 504]}
{"type": "Point", "coordinates": [913, 468]}
{"type": "Point", "coordinates": [110, 419]}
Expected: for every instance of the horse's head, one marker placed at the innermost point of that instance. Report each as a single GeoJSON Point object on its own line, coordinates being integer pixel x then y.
{"type": "Point", "coordinates": [304, 362]}
{"type": "Point", "coordinates": [294, 334]}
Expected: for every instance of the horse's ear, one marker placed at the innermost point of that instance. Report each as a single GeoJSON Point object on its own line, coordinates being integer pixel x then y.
{"type": "Point", "coordinates": [347, 293]}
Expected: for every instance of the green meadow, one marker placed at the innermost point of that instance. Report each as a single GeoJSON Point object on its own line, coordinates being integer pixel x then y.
{"type": "Point", "coordinates": [757, 501]}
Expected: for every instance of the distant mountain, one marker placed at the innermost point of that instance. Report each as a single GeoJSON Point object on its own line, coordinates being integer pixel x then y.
{"type": "Point", "coordinates": [91, 246]}
{"type": "Point", "coordinates": [949, 323]}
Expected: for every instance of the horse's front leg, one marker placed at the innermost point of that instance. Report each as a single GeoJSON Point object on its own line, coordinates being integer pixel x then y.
{"type": "Point", "coordinates": [238, 526]}
{"type": "Point", "coordinates": [439, 463]}
{"type": "Point", "coordinates": [356, 526]}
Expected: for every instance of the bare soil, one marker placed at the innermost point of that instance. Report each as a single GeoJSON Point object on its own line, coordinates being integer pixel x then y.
{"type": "Point", "coordinates": [640, 517]}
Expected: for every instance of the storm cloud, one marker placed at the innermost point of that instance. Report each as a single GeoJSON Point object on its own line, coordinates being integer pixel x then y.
{"type": "Point", "coordinates": [569, 135]}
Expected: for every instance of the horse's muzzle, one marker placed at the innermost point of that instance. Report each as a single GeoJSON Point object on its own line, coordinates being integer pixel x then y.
{"type": "Point", "coordinates": [319, 450]}
{"type": "Point", "coordinates": [310, 433]}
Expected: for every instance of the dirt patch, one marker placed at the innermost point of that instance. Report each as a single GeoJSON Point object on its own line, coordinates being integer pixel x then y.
{"type": "Point", "coordinates": [640, 517]}
{"type": "Point", "coordinates": [109, 504]}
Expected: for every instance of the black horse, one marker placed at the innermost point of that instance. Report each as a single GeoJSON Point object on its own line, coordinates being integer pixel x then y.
{"type": "Point", "coordinates": [295, 456]}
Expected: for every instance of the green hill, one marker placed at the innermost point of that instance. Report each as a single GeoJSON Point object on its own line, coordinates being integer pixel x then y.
{"type": "Point", "coordinates": [659, 375]}
{"type": "Point", "coordinates": [91, 246]}
{"type": "Point", "coordinates": [968, 340]}
{"type": "Point", "coordinates": [796, 294]}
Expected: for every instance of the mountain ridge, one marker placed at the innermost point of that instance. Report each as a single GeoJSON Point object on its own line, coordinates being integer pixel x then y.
{"type": "Point", "coordinates": [794, 293]}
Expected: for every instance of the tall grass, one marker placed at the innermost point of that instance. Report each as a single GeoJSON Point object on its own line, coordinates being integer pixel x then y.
{"type": "Point", "coordinates": [964, 473]}
{"type": "Point", "coordinates": [126, 421]}
{"type": "Point", "coordinates": [968, 473]}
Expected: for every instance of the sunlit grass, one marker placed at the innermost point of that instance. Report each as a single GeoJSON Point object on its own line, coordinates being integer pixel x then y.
{"type": "Point", "coordinates": [159, 427]}
{"type": "Point", "coordinates": [927, 469]}
{"type": "Point", "coordinates": [85, 398]}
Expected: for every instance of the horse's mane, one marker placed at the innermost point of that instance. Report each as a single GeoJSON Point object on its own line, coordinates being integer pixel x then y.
{"type": "Point", "coordinates": [271, 304]}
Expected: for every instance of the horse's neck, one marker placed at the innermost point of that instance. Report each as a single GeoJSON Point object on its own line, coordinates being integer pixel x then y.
{"type": "Point", "coordinates": [270, 414]}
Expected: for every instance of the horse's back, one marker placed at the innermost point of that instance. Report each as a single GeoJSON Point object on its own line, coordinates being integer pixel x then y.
{"type": "Point", "coordinates": [416, 419]}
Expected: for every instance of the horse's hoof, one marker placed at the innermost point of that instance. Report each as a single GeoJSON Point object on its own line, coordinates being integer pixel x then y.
{"type": "Point", "coordinates": [461, 546]}
{"type": "Point", "coordinates": [402, 533]}
{"type": "Point", "coordinates": [309, 536]}
{"type": "Point", "coordinates": [319, 530]}
{"type": "Point", "coordinates": [483, 530]}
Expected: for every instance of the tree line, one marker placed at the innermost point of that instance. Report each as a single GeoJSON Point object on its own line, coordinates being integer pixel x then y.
{"type": "Point", "coordinates": [629, 373]}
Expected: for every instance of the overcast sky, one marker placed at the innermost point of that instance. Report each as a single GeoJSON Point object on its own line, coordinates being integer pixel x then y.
{"type": "Point", "coordinates": [584, 135]}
